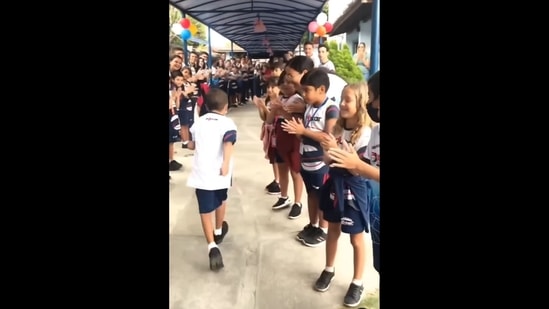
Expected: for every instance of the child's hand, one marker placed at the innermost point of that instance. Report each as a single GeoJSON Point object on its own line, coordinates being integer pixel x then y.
{"type": "Point", "coordinates": [293, 126]}
{"type": "Point", "coordinates": [258, 101]}
{"type": "Point", "coordinates": [224, 169]}
{"type": "Point", "coordinates": [328, 142]}
{"type": "Point", "coordinates": [345, 158]}
{"type": "Point", "coordinates": [190, 89]}
{"type": "Point", "coordinates": [275, 105]}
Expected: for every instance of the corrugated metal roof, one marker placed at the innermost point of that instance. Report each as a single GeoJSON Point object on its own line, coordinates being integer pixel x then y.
{"type": "Point", "coordinates": [286, 21]}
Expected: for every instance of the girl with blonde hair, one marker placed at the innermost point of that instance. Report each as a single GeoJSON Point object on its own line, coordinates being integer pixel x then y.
{"type": "Point", "coordinates": [344, 195]}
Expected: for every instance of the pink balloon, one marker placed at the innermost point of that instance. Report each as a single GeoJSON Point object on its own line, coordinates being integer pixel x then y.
{"type": "Point", "coordinates": [313, 26]}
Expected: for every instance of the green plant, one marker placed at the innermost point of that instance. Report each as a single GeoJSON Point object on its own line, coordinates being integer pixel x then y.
{"type": "Point", "coordinates": [344, 64]}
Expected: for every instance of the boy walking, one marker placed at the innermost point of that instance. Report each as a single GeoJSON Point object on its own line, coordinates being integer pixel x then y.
{"type": "Point", "coordinates": [213, 137]}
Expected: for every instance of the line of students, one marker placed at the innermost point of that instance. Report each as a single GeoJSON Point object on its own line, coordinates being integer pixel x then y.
{"type": "Point", "coordinates": [350, 202]}
{"type": "Point", "coordinates": [338, 164]}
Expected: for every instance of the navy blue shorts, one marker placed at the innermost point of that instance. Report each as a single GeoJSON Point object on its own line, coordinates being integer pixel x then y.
{"type": "Point", "coordinates": [352, 220]}
{"type": "Point", "coordinates": [210, 200]}
{"type": "Point", "coordinates": [374, 216]}
{"type": "Point", "coordinates": [174, 128]}
{"type": "Point", "coordinates": [186, 112]}
{"type": "Point", "coordinates": [314, 180]}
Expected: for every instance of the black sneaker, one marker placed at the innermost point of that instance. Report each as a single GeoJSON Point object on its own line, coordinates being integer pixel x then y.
{"type": "Point", "coordinates": [216, 260]}
{"type": "Point", "coordinates": [304, 232]}
{"type": "Point", "coordinates": [295, 212]}
{"type": "Point", "coordinates": [314, 238]}
{"type": "Point", "coordinates": [353, 296]}
{"type": "Point", "coordinates": [175, 166]}
{"type": "Point", "coordinates": [323, 282]}
{"type": "Point", "coordinates": [282, 203]}
{"type": "Point", "coordinates": [185, 146]}
{"type": "Point", "coordinates": [274, 189]}
{"type": "Point", "coordinates": [270, 185]}
{"type": "Point", "coordinates": [224, 229]}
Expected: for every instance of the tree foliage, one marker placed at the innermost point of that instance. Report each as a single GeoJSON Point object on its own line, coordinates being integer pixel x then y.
{"type": "Point", "coordinates": [344, 64]}
{"type": "Point", "coordinates": [202, 31]}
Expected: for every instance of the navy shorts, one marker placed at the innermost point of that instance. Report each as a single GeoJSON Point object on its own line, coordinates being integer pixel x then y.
{"type": "Point", "coordinates": [314, 180]}
{"type": "Point", "coordinates": [352, 220]}
{"type": "Point", "coordinates": [374, 216]}
{"type": "Point", "coordinates": [186, 112]}
{"type": "Point", "coordinates": [174, 127]}
{"type": "Point", "coordinates": [210, 200]}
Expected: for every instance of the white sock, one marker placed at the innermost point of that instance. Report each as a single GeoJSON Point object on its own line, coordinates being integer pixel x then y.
{"type": "Point", "coordinates": [211, 245]}
{"type": "Point", "coordinates": [218, 232]}
{"type": "Point", "coordinates": [284, 197]}
{"type": "Point", "coordinates": [330, 269]}
{"type": "Point", "coordinates": [324, 229]}
{"type": "Point", "coordinates": [357, 282]}
{"type": "Point", "coordinates": [185, 142]}
{"type": "Point", "coordinates": [315, 225]}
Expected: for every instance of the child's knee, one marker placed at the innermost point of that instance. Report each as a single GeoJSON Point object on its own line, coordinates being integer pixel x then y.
{"type": "Point", "coordinates": [357, 240]}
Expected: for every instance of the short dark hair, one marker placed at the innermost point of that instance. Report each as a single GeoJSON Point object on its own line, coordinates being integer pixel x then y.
{"type": "Point", "coordinates": [301, 63]}
{"type": "Point", "coordinates": [176, 73]}
{"type": "Point", "coordinates": [173, 49]}
{"type": "Point", "coordinates": [316, 78]}
{"type": "Point", "coordinates": [273, 81]}
{"type": "Point", "coordinates": [325, 46]}
{"type": "Point", "coordinates": [172, 57]}
{"type": "Point", "coordinates": [216, 99]}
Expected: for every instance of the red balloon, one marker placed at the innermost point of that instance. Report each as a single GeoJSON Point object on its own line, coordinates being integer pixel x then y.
{"type": "Point", "coordinates": [329, 27]}
{"type": "Point", "coordinates": [186, 23]}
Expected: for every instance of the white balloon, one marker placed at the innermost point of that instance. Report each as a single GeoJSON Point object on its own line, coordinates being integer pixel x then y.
{"type": "Point", "coordinates": [177, 28]}
{"type": "Point", "coordinates": [321, 19]}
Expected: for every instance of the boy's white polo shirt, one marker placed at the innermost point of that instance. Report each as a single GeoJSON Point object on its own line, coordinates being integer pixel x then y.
{"type": "Point", "coordinates": [209, 133]}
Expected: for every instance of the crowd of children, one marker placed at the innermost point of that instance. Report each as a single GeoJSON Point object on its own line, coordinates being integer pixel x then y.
{"type": "Point", "coordinates": [329, 146]}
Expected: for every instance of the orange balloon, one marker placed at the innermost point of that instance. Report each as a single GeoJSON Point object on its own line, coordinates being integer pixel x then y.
{"type": "Point", "coordinates": [193, 29]}
{"type": "Point", "coordinates": [321, 31]}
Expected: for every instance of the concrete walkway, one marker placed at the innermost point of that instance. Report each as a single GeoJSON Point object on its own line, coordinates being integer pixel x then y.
{"type": "Point", "coordinates": [265, 266]}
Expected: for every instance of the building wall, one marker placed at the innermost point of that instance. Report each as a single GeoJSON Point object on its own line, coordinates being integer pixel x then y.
{"type": "Point", "coordinates": [355, 37]}
{"type": "Point", "coordinates": [364, 35]}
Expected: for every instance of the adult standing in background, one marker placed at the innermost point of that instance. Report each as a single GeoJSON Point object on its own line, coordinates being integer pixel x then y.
{"type": "Point", "coordinates": [362, 60]}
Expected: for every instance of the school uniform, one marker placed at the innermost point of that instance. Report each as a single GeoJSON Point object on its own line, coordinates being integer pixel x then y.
{"type": "Point", "coordinates": [187, 106]}
{"type": "Point", "coordinates": [313, 169]}
{"type": "Point", "coordinates": [372, 155]}
{"type": "Point", "coordinates": [288, 145]}
{"type": "Point", "coordinates": [209, 133]}
{"type": "Point", "coordinates": [344, 197]}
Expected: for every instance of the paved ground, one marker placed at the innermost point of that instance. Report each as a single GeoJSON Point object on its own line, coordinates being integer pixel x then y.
{"type": "Point", "coordinates": [265, 267]}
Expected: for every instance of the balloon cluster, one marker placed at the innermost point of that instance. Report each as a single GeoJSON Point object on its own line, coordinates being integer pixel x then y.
{"type": "Point", "coordinates": [184, 28]}
{"type": "Point", "coordinates": [321, 26]}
